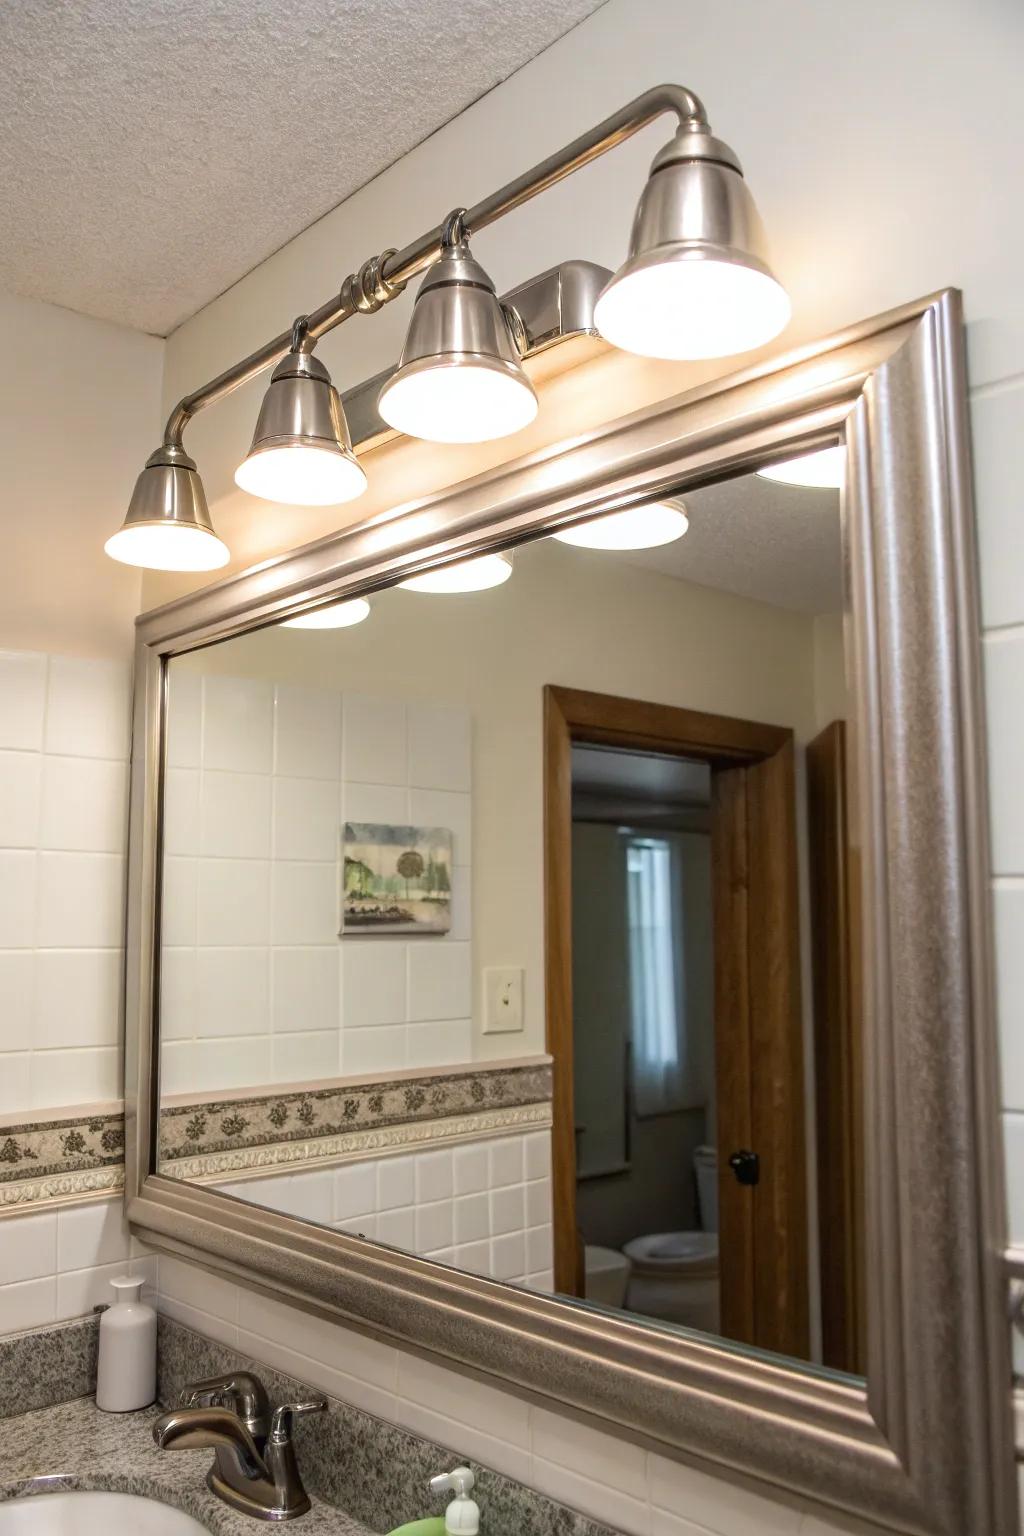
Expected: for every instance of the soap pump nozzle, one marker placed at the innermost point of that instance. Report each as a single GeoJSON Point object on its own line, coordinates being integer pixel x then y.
{"type": "Point", "coordinates": [462, 1517]}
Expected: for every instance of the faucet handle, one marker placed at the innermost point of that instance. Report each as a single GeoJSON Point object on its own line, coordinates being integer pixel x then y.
{"type": "Point", "coordinates": [240, 1391]}
{"type": "Point", "coordinates": [281, 1423]}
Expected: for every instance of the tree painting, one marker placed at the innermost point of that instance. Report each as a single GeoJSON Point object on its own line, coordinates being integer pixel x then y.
{"type": "Point", "coordinates": [396, 879]}
{"type": "Point", "coordinates": [410, 866]}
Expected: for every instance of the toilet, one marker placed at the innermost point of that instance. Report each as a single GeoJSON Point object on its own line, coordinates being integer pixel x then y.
{"type": "Point", "coordinates": [674, 1275]}
{"type": "Point", "coordinates": [606, 1275]}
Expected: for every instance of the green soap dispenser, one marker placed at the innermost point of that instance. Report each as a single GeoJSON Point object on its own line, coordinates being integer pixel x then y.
{"type": "Point", "coordinates": [462, 1517]}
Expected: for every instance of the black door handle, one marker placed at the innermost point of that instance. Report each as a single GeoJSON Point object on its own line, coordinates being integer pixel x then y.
{"type": "Point", "coordinates": [746, 1166]}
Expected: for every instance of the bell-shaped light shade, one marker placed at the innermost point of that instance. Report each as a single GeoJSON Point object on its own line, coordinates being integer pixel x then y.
{"type": "Point", "coordinates": [459, 379]}
{"type": "Point", "coordinates": [167, 526]}
{"type": "Point", "coordinates": [337, 616]}
{"type": "Point", "coordinates": [696, 283]}
{"type": "Point", "coordinates": [633, 528]}
{"type": "Point", "coordinates": [474, 575]}
{"type": "Point", "coordinates": [301, 452]}
{"type": "Point", "coordinates": [824, 469]}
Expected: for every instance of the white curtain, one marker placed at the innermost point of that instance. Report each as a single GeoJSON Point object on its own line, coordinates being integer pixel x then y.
{"type": "Point", "coordinates": [656, 981]}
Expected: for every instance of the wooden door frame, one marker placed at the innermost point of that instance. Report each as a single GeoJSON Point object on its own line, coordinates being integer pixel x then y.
{"type": "Point", "coordinates": [752, 767]}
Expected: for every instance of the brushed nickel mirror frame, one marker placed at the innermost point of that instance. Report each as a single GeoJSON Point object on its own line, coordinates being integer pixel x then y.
{"type": "Point", "coordinates": [926, 1446]}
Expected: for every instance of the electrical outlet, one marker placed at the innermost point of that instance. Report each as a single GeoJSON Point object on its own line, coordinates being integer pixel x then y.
{"type": "Point", "coordinates": [503, 1000]}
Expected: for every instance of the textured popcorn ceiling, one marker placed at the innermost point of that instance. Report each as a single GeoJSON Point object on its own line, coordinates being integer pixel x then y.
{"type": "Point", "coordinates": [154, 151]}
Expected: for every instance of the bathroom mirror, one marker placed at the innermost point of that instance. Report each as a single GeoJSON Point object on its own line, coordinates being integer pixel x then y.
{"type": "Point", "coordinates": [578, 974]}
{"type": "Point", "coordinates": [353, 934]}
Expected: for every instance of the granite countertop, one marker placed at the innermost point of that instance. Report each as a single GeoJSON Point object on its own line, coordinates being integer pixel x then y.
{"type": "Point", "coordinates": [75, 1446]}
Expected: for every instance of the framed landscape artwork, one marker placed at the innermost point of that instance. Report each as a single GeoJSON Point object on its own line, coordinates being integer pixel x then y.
{"type": "Point", "coordinates": [396, 879]}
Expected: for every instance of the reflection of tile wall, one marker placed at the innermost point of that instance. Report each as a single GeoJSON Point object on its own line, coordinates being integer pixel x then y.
{"type": "Point", "coordinates": [257, 986]}
{"type": "Point", "coordinates": [64, 724]}
{"type": "Point", "coordinates": [485, 1206]}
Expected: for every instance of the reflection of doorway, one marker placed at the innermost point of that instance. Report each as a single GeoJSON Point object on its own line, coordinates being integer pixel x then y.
{"type": "Point", "coordinates": [758, 1042]}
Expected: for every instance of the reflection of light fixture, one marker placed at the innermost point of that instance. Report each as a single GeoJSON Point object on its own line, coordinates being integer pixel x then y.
{"type": "Point", "coordinates": [337, 616]}
{"type": "Point", "coordinates": [474, 575]}
{"type": "Point", "coordinates": [696, 282]}
{"type": "Point", "coordinates": [824, 469]}
{"type": "Point", "coordinates": [635, 528]}
{"type": "Point", "coordinates": [167, 526]}
{"type": "Point", "coordinates": [459, 379]}
{"type": "Point", "coordinates": [301, 453]}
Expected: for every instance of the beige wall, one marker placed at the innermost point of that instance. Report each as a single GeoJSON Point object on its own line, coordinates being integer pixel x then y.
{"type": "Point", "coordinates": [80, 413]}
{"type": "Point", "coordinates": [575, 617]}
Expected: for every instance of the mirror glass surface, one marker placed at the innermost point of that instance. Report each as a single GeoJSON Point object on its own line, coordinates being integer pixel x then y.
{"type": "Point", "coordinates": [356, 926]}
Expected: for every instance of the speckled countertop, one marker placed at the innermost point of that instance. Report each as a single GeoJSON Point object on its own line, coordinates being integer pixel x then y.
{"type": "Point", "coordinates": [75, 1446]}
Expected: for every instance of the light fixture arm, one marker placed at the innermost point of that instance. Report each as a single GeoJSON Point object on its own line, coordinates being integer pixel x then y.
{"type": "Point", "coordinates": [383, 277]}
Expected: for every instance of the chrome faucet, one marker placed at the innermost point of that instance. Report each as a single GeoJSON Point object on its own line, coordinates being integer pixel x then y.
{"type": "Point", "coordinates": [254, 1467]}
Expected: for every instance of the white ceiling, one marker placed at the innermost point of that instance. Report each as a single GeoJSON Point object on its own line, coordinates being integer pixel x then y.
{"type": "Point", "coordinates": [154, 151]}
{"type": "Point", "coordinates": [780, 544]}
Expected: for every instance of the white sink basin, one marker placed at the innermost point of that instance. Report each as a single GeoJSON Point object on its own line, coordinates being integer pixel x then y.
{"type": "Point", "coordinates": [94, 1514]}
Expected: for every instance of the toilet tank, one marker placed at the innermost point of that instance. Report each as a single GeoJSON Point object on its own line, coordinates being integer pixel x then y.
{"type": "Point", "coordinates": [705, 1164]}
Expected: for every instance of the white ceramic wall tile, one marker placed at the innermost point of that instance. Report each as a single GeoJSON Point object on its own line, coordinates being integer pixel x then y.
{"type": "Point", "coordinates": [306, 988]}
{"type": "Point", "coordinates": [1009, 946]}
{"type": "Point", "coordinates": [232, 992]}
{"type": "Point", "coordinates": [80, 901]}
{"type": "Point", "coordinates": [84, 804]}
{"type": "Point", "coordinates": [181, 878]}
{"type": "Point", "coordinates": [396, 1182]}
{"type": "Point", "coordinates": [380, 1049]}
{"type": "Point", "coordinates": [355, 1191]}
{"type": "Point", "coordinates": [238, 724]}
{"type": "Point", "coordinates": [17, 898]}
{"type": "Point", "coordinates": [234, 815]}
{"type": "Point", "coordinates": [28, 1249]}
{"type": "Point", "coordinates": [374, 740]}
{"type": "Point", "coordinates": [62, 1262]}
{"type": "Point", "coordinates": [718, 1504]}
{"type": "Point", "coordinates": [15, 1082]}
{"type": "Point", "coordinates": [184, 718]}
{"type": "Point", "coordinates": [444, 1043]}
{"type": "Point", "coordinates": [471, 1169]}
{"type": "Point", "coordinates": [306, 819]}
{"type": "Point", "coordinates": [87, 707]}
{"type": "Point", "coordinates": [17, 977]}
{"type": "Point", "coordinates": [440, 981]}
{"type": "Point", "coordinates": [236, 1061]}
{"type": "Point", "coordinates": [373, 983]}
{"type": "Point", "coordinates": [307, 732]}
{"type": "Point", "coordinates": [997, 427]}
{"type": "Point", "coordinates": [506, 1161]}
{"type": "Point", "coordinates": [77, 998]}
{"type": "Point", "coordinates": [1004, 690]}
{"type": "Point", "coordinates": [178, 998]}
{"type": "Point", "coordinates": [20, 798]}
{"type": "Point", "coordinates": [304, 903]}
{"type": "Point", "coordinates": [305, 1058]}
{"type": "Point", "coordinates": [387, 803]}
{"type": "Point", "coordinates": [59, 1079]}
{"type": "Point", "coordinates": [232, 902]}
{"type": "Point", "coordinates": [439, 748]}
{"type": "Point", "coordinates": [439, 808]}
{"type": "Point", "coordinates": [22, 699]}
{"type": "Point", "coordinates": [181, 811]}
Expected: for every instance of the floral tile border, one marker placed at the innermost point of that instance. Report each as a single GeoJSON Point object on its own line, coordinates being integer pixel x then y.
{"type": "Point", "coordinates": [188, 1131]}
{"type": "Point", "coordinates": [81, 1156]}
{"type": "Point", "coordinates": [61, 1158]}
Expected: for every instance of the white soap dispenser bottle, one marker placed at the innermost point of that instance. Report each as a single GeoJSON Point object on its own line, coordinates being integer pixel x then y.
{"type": "Point", "coordinates": [462, 1517]}
{"type": "Point", "coordinates": [126, 1375]}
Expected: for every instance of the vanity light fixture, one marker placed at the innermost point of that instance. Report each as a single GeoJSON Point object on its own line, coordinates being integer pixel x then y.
{"type": "Point", "coordinates": [167, 526]}
{"type": "Point", "coordinates": [824, 469]}
{"type": "Point", "coordinates": [337, 616]}
{"type": "Point", "coordinates": [696, 284]}
{"type": "Point", "coordinates": [460, 378]}
{"type": "Point", "coordinates": [660, 522]}
{"type": "Point", "coordinates": [475, 575]}
{"type": "Point", "coordinates": [301, 452]}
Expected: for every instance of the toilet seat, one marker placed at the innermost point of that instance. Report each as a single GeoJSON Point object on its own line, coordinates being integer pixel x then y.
{"type": "Point", "coordinates": [683, 1253]}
